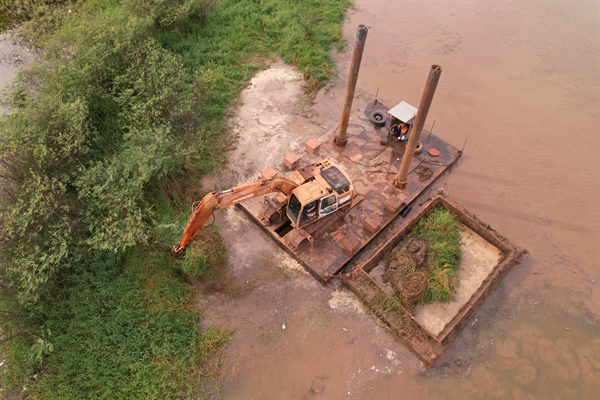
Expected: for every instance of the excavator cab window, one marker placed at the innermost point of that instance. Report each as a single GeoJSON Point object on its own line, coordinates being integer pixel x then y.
{"type": "Point", "coordinates": [293, 209]}
{"type": "Point", "coordinates": [328, 205]}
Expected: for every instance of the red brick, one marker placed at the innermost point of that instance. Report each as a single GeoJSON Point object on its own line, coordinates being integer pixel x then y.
{"type": "Point", "coordinates": [393, 204]}
{"type": "Point", "coordinates": [268, 173]}
{"type": "Point", "coordinates": [351, 244]}
{"type": "Point", "coordinates": [313, 146]}
{"type": "Point", "coordinates": [373, 223]}
{"type": "Point", "coordinates": [291, 160]}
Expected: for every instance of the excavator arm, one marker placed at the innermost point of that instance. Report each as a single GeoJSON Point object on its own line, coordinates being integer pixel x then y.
{"type": "Point", "coordinates": [218, 200]}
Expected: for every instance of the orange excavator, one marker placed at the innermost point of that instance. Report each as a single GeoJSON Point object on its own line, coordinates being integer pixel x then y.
{"type": "Point", "coordinates": [313, 192]}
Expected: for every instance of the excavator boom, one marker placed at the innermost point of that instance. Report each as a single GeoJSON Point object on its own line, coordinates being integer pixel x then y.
{"type": "Point", "coordinates": [218, 200]}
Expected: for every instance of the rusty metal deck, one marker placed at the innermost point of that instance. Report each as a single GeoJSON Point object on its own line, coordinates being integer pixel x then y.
{"type": "Point", "coordinates": [371, 166]}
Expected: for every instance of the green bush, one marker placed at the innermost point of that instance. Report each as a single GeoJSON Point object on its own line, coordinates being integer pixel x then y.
{"type": "Point", "coordinates": [125, 96]}
{"type": "Point", "coordinates": [126, 103]}
{"type": "Point", "coordinates": [36, 20]}
{"type": "Point", "coordinates": [206, 254]}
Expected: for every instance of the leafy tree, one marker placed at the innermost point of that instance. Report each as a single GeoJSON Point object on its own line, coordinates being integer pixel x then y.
{"type": "Point", "coordinates": [106, 136]}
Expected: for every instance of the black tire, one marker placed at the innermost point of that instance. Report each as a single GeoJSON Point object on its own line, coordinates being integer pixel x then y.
{"type": "Point", "coordinates": [419, 148]}
{"type": "Point", "coordinates": [378, 118]}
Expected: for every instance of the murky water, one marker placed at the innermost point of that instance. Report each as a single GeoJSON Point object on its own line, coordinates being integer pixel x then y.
{"type": "Point", "coordinates": [520, 85]}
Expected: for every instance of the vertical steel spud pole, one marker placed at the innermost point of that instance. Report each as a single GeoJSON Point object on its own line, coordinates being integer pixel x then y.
{"type": "Point", "coordinates": [361, 37]}
{"type": "Point", "coordinates": [400, 180]}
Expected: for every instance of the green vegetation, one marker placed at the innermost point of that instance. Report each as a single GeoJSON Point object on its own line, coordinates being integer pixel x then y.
{"type": "Point", "coordinates": [120, 332]}
{"type": "Point", "coordinates": [34, 20]}
{"type": "Point", "coordinates": [440, 230]}
{"type": "Point", "coordinates": [207, 251]}
{"type": "Point", "coordinates": [414, 282]}
{"type": "Point", "coordinates": [387, 307]}
{"type": "Point", "coordinates": [99, 160]}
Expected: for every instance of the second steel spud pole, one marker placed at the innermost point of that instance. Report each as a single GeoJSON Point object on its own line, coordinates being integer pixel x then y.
{"type": "Point", "coordinates": [400, 180]}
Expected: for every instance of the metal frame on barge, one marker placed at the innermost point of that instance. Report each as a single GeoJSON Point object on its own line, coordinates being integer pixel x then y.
{"type": "Point", "coordinates": [422, 342]}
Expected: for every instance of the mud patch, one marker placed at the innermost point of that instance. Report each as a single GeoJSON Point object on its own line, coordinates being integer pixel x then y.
{"type": "Point", "coordinates": [261, 127]}
{"type": "Point", "coordinates": [13, 57]}
{"type": "Point", "coordinates": [13, 54]}
{"type": "Point", "coordinates": [344, 300]}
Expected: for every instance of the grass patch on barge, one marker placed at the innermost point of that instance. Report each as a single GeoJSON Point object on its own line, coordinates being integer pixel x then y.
{"type": "Point", "coordinates": [423, 266]}
{"type": "Point", "coordinates": [440, 230]}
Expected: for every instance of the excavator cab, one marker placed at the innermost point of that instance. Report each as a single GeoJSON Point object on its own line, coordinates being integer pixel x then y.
{"type": "Point", "coordinates": [325, 189]}
{"type": "Point", "coordinates": [315, 191]}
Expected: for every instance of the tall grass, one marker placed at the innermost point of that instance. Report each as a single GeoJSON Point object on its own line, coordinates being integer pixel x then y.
{"type": "Point", "coordinates": [34, 20]}
{"type": "Point", "coordinates": [440, 230]}
{"type": "Point", "coordinates": [121, 328]}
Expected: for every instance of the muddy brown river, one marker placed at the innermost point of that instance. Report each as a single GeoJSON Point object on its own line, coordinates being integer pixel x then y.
{"type": "Point", "coordinates": [520, 85]}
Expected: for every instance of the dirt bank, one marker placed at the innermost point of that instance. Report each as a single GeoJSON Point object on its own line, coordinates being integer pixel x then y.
{"type": "Point", "coordinates": [13, 57]}
{"type": "Point", "coordinates": [270, 122]}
